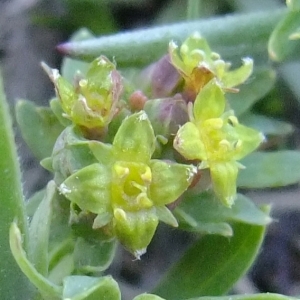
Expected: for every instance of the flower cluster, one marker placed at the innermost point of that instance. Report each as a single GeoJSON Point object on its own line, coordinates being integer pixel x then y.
{"type": "Point", "coordinates": [125, 178]}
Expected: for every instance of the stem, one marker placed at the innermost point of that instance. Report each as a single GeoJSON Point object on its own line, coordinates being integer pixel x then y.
{"type": "Point", "coordinates": [232, 36]}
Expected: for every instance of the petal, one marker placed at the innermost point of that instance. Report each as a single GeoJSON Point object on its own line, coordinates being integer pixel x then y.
{"type": "Point", "coordinates": [89, 188]}
{"type": "Point", "coordinates": [238, 76]}
{"type": "Point", "coordinates": [249, 139]}
{"type": "Point", "coordinates": [169, 181]}
{"type": "Point", "coordinates": [224, 175]}
{"type": "Point", "coordinates": [135, 139]}
{"type": "Point", "coordinates": [188, 143]}
{"type": "Point", "coordinates": [210, 102]}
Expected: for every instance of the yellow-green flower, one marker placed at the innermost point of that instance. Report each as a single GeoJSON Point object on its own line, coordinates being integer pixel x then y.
{"type": "Point", "coordinates": [92, 102]}
{"type": "Point", "coordinates": [126, 189]}
{"type": "Point", "coordinates": [215, 137]}
{"type": "Point", "coordinates": [197, 64]}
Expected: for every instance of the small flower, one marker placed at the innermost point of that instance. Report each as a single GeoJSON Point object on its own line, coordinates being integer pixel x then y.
{"type": "Point", "coordinates": [197, 64]}
{"type": "Point", "coordinates": [215, 137]}
{"type": "Point", "coordinates": [126, 189]}
{"type": "Point", "coordinates": [92, 102]}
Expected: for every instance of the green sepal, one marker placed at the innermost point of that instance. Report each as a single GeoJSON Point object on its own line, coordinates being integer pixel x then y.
{"type": "Point", "coordinates": [89, 188]}
{"type": "Point", "coordinates": [238, 76]}
{"type": "Point", "coordinates": [135, 139]}
{"type": "Point", "coordinates": [55, 106]}
{"type": "Point", "coordinates": [102, 152]}
{"type": "Point", "coordinates": [166, 216]}
{"type": "Point", "coordinates": [188, 142]}
{"type": "Point", "coordinates": [93, 255]}
{"type": "Point", "coordinates": [90, 288]}
{"type": "Point", "coordinates": [169, 181]}
{"type": "Point", "coordinates": [135, 230]}
{"type": "Point", "coordinates": [39, 126]}
{"type": "Point", "coordinates": [210, 102]}
{"type": "Point", "coordinates": [224, 175]}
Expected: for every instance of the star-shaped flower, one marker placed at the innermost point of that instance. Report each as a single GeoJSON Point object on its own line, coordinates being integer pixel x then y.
{"type": "Point", "coordinates": [197, 64]}
{"type": "Point", "coordinates": [92, 102]}
{"type": "Point", "coordinates": [215, 137]}
{"type": "Point", "coordinates": [126, 189]}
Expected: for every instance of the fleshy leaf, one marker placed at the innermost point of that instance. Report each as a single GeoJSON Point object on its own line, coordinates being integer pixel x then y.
{"type": "Point", "coordinates": [267, 125]}
{"type": "Point", "coordinates": [93, 255]}
{"type": "Point", "coordinates": [169, 181]}
{"type": "Point", "coordinates": [90, 288]}
{"type": "Point", "coordinates": [205, 208]}
{"type": "Point", "coordinates": [135, 140]}
{"type": "Point", "coordinates": [89, 188]}
{"type": "Point", "coordinates": [222, 262]}
{"type": "Point", "coordinates": [147, 297]}
{"type": "Point", "coordinates": [280, 46]}
{"type": "Point", "coordinates": [270, 169]}
{"type": "Point", "coordinates": [39, 126]}
{"type": "Point", "coordinates": [39, 231]}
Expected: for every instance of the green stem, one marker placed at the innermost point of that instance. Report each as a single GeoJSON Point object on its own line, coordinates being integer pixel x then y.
{"type": "Point", "coordinates": [12, 206]}
{"type": "Point", "coordinates": [232, 36]}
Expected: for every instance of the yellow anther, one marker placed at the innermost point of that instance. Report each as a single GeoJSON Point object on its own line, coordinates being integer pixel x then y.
{"type": "Point", "coordinates": [120, 171]}
{"type": "Point", "coordinates": [120, 214]}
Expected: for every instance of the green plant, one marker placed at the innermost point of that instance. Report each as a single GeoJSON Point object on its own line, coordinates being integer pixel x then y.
{"type": "Point", "coordinates": [128, 153]}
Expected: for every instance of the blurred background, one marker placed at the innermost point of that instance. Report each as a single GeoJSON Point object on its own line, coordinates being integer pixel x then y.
{"type": "Point", "coordinates": [29, 32]}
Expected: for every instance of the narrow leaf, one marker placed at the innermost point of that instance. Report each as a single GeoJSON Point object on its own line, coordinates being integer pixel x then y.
{"type": "Point", "coordinates": [280, 45]}
{"type": "Point", "coordinates": [90, 288]}
{"type": "Point", "coordinates": [40, 230]}
{"type": "Point", "coordinates": [270, 169]}
{"type": "Point", "coordinates": [266, 125]}
{"type": "Point", "coordinates": [213, 264]}
{"type": "Point", "coordinates": [224, 35]}
{"type": "Point", "coordinates": [12, 206]}
{"type": "Point", "coordinates": [39, 126]}
{"type": "Point", "coordinates": [46, 288]}
{"type": "Point", "coordinates": [266, 296]}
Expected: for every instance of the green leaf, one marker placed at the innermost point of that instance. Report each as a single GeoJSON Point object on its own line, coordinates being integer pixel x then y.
{"type": "Point", "coordinates": [12, 206]}
{"type": "Point", "coordinates": [89, 188]}
{"type": "Point", "coordinates": [39, 126]}
{"type": "Point", "coordinates": [39, 231]}
{"type": "Point", "coordinates": [71, 66]}
{"type": "Point", "coordinates": [135, 139]}
{"type": "Point", "coordinates": [213, 264]}
{"type": "Point", "coordinates": [93, 255]}
{"type": "Point", "coordinates": [266, 296]}
{"type": "Point", "coordinates": [90, 288]}
{"type": "Point", "coordinates": [49, 290]}
{"type": "Point", "coordinates": [206, 208]}
{"type": "Point", "coordinates": [270, 169]}
{"type": "Point", "coordinates": [266, 125]}
{"type": "Point", "coordinates": [293, 5]}
{"type": "Point", "coordinates": [147, 297]}
{"type": "Point", "coordinates": [280, 46]}
{"type": "Point", "coordinates": [34, 201]}
{"type": "Point", "coordinates": [226, 35]}
{"type": "Point", "coordinates": [259, 84]}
